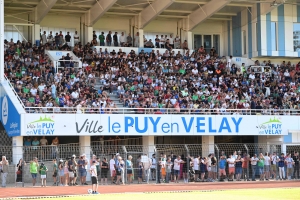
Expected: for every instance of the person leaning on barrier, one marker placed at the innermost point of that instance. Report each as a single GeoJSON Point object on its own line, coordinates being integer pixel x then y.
{"type": "Point", "coordinates": [153, 167]}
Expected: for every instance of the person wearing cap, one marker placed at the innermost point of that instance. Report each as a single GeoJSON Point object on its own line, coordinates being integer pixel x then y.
{"type": "Point", "coordinates": [61, 172]}
{"type": "Point", "coordinates": [94, 176]}
{"type": "Point", "coordinates": [72, 165]}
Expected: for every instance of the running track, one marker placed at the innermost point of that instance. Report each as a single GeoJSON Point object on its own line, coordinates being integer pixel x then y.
{"type": "Point", "coordinates": [28, 191]}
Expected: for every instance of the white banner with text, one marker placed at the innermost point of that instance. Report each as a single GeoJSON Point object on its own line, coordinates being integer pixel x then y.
{"type": "Point", "coordinates": [119, 124]}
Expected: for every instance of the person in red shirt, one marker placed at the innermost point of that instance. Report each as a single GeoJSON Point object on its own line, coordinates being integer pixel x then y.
{"type": "Point", "coordinates": [240, 106]}
{"type": "Point", "coordinates": [245, 165]}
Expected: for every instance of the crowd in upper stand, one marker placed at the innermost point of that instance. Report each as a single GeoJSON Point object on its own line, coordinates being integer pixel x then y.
{"type": "Point", "coordinates": [196, 79]}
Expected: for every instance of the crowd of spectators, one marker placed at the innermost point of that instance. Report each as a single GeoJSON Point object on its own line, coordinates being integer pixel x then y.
{"type": "Point", "coordinates": [194, 80]}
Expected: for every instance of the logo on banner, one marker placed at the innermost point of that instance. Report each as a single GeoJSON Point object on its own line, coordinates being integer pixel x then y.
{"type": "Point", "coordinates": [42, 126]}
{"type": "Point", "coordinates": [271, 127]}
{"type": "Point", "coordinates": [4, 110]}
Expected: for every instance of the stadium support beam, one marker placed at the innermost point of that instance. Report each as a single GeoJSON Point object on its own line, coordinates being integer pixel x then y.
{"type": "Point", "coordinates": [41, 10]}
{"type": "Point", "coordinates": [98, 10]}
{"type": "Point", "coordinates": [265, 8]}
{"type": "Point", "coordinates": [152, 11]}
{"type": "Point", "coordinates": [204, 12]}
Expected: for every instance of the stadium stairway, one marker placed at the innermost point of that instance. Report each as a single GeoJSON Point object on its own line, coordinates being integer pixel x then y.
{"type": "Point", "coordinates": [114, 97]}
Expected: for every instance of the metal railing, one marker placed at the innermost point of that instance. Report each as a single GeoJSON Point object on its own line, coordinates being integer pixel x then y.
{"type": "Point", "coordinates": [185, 111]}
{"type": "Point", "coordinates": [14, 91]}
{"type": "Point", "coordinates": [107, 148]}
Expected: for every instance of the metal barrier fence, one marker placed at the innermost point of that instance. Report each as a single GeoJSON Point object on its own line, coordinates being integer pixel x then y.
{"type": "Point", "coordinates": [183, 111]}
{"type": "Point", "coordinates": [140, 152]}
{"type": "Point", "coordinates": [63, 151]}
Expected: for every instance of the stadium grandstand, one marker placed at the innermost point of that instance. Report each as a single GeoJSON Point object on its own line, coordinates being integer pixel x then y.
{"type": "Point", "coordinates": [146, 83]}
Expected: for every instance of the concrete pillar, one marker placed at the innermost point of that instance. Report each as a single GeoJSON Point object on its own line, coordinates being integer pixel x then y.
{"type": "Point", "coordinates": [85, 148]}
{"type": "Point", "coordinates": [208, 144]}
{"type": "Point", "coordinates": [17, 149]}
{"type": "Point", "coordinates": [141, 32]}
{"type": "Point", "coordinates": [190, 40]}
{"type": "Point", "coordinates": [36, 30]}
{"type": "Point", "coordinates": [88, 35]}
{"type": "Point", "coordinates": [148, 143]}
{"type": "Point", "coordinates": [283, 149]}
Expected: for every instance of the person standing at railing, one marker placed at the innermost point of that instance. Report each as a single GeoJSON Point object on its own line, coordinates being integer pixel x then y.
{"type": "Point", "coordinates": [112, 167]}
{"type": "Point", "coordinates": [4, 170]}
{"type": "Point", "coordinates": [19, 171]}
{"type": "Point", "coordinates": [43, 143]}
{"type": "Point", "coordinates": [34, 165]}
{"type": "Point", "coordinates": [76, 38]}
{"type": "Point", "coordinates": [35, 145]}
{"type": "Point", "coordinates": [54, 144]}
{"type": "Point", "coordinates": [67, 60]}
{"type": "Point", "coordinates": [27, 145]}
{"type": "Point", "coordinates": [254, 161]}
{"type": "Point", "coordinates": [245, 159]}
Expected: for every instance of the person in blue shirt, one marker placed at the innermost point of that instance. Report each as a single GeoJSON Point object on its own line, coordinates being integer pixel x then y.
{"type": "Point", "coordinates": [281, 160]}
{"type": "Point", "coordinates": [222, 166]}
{"type": "Point", "coordinates": [27, 142]}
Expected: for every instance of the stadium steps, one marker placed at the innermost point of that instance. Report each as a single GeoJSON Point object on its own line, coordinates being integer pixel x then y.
{"type": "Point", "coordinates": [113, 96]}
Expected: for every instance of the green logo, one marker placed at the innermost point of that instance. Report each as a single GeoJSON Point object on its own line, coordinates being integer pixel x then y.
{"type": "Point", "coordinates": [43, 126]}
{"type": "Point", "coordinates": [45, 119]}
{"type": "Point", "coordinates": [271, 127]}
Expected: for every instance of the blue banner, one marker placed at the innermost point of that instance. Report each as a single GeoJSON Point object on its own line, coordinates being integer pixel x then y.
{"type": "Point", "coordinates": [10, 117]}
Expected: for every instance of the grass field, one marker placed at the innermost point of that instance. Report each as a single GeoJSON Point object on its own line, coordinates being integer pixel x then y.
{"type": "Point", "coordinates": [245, 194]}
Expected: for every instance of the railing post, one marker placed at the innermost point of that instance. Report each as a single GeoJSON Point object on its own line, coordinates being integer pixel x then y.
{"type": "Point", "coordinates": [125, 165]}
{"type": "Point", "coordinates": [248, 156]}
{"type": "Point", "coordinates": [218, 157]}
{"type": "Point", "coordinates": [188, 162]}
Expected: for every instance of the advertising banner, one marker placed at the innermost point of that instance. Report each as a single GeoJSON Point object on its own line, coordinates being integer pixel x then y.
{"type": "Point", "coordinates": [10, 117]}
{"type": "Point", "coordinates": [161, 125]}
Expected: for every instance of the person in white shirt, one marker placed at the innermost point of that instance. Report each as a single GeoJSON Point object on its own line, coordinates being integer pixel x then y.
{"type": "Point", "coordinates": [75, 95]}
{"type": "Point", "coordinates": [289, 165]}
{"type": "Point", "coordinates": [267, 161]}
{"type": "Point", "coordinates": [146, 166]}
{"type": "Point", "coordinates": [94, 175]}
{"type": "Point", "coordinates": [231, 167]}
{"type": "Point", "coordinates": [252, 76]}
{"type": "Point", "coordinates": [177, 163]}
{"type": "Point", "coordinates": [177, 42]}
{"type": "Point", "coordinates": [44, 38]}
{"type": "Point", "coordinates": [122, 39]}
{"type": "Point", "coordinates": [196, 166]}
{"type": "Point", "coordinates": [254, 160]}
{"type": "Point", "coordinates": [171, 41]}
{"type": "Point", "coordinates": [112, 168]}
{"type": "Point", "coordinates": [33, 91]}
{"type": "Point", "coordinates": [50, 38]}
{"type": "Point", "coordinates": [274, 169]}
{"type": "Point", "coordinates": [76, 38]}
